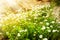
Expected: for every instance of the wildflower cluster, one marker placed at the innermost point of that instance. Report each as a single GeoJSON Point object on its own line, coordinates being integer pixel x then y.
{"type": "Point", "coordinates": [37, 24]}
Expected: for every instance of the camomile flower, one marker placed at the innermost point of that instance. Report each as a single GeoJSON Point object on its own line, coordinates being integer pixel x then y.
{"type": "Point", "coordinates": [45, 39]}
{"type": "Point", "coordinates": [43, 27]}
{"type": "Point", "coordinates": [49, 30]}
{"type": "Point", "coordinates": [7, 32]}
{"type": "Point", "coordinates": [53, 22]}
{"type": "Point", "coordinates": [40, 36]}
{"type": "Point", "coordinates": [45, 20]}
{"type": "Point", "coordinates": [54, 30]}
{"type": "Point", "coordinates": [47, 23]}
{"type": "Point", "coordinates": [34, 34]}
{"type": "Point", "coordinates": [18, 34]}
{"type": "Point", "coordinates": [51, 26]}
{"type": "Point", "coordinates": [21, 31]}
{"type": "Point", "coordinates": [41, 22]}
{"type": "Point", "coordinates": [25, 30]}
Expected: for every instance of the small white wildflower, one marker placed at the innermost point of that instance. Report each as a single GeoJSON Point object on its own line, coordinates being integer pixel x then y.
{"type": "Point", "coordinates": [45, 20]}
{"type": "Point", "coordinates": [40, 36]}
{"type": "Point", "coordinates": [18, 34]}
{"type": "Point", "coordinates": [34, 34]}
{"type": "Point", "coordinates": [47, 23]}
{"type": "Point", "coordinates": [51, 26]}
{"type": "Point", "coordinates": [7, 32]}
{"type": "Point", "coordinates": [53, 22]}
{"type": "Point", "coordinates": [21, 31]}
{"type": "Point", "coordinates": [41, 22]}
{"type": "Point", "coordinates": [51, 9]}
{"type": "Point", "coordinates": [43, 28]}
{"type": "Point", "coordinates": [25, 30]}
{"type": "Point", "coordinates": [49, 30]}
{"type": "Point", "coordinates": [45, 39]}
{"type": "Point", "coordinates": [54, 30]}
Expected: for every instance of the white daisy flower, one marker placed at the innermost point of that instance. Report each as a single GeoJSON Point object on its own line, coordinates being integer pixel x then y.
{"type": "Point", "coordinates": [25, 30]}
{"type": "Point", "coordinates": [34, 34]}
{"type": "Point", "coordinates": [45, 20]}
{"type": "Point", "coordinates": [51, 26]}
{"type": "Point", "coordinates": [49, 30]}
{"type": "Point", "coordinates": [43, 28]}
{"type": "Point", "coordinates": [21, 31]}
{"type": "Point", "coordinates": [53, 22]}
{"type": "Point", "coordinates": [51, 9]}
{"type": "Point", "coordinates": [47, 23]}
{"type": "Point", "coordinates": [41, 22]}
{"type": "Point", "coordinates": [54, 30]}
{"type": "Point", "coordinates": [40, 36]}
{"type": "Point", "coordinates": [18, 34]}
{"type": "Point", "coordinates": [7, 32]}
{"type": "Point", "coordinates": [45, 39]}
